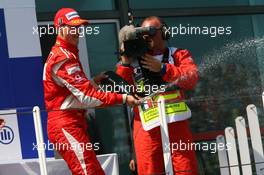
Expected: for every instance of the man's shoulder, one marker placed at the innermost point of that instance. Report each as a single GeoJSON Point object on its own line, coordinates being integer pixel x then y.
{"type": "Point", "coordinates": [180, 52]}
{"type": "Point", "coordinates": [60, 53]}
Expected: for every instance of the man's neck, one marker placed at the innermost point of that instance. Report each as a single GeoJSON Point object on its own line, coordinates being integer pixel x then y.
{"type": "Point", "coordinates": [158, 51]}
{"type": "Point", "coordinates": [63, 43]}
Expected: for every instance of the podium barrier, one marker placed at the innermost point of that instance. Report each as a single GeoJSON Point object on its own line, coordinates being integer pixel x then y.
{"type": "Point", "coordinates": [239, 136]}
{"type": "Point", "coordinates": [40, 141]}
{"type": "Point", "coordinates": [109, 163]}
{"type": "Point", "coordinates": [165, 137]}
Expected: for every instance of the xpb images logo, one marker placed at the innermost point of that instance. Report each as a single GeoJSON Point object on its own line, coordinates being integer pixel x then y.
{"type": "Point", "coordinates": [6, 135]}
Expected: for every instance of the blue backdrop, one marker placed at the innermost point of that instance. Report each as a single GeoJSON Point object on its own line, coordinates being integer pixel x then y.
{"type": "Point", "coordinates": [21, 88]}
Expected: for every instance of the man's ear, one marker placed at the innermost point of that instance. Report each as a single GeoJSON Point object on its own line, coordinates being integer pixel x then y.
{"type": "Point", "coordinates": [122, 47]}
{"type": "Point", "coordinates": [61, 31]}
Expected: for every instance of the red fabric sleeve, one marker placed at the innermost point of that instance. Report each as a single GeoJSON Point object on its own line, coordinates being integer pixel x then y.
{"type": "Point", "coordinates": [184, 71]}
{"type": "Point", "coordinates": [73, 77]}
{"type": "Point", "coordinates": [126, 73]}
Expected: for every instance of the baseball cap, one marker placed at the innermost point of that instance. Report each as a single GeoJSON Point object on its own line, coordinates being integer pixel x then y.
{"type": "Point", "coordinates": [69, 17]}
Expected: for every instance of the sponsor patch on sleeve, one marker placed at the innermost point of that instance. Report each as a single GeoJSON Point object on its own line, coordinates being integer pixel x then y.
{"type": "Point", "coordinates": [72, 69]}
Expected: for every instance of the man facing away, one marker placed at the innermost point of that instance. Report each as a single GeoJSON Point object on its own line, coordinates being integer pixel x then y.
{"type": "Point", "coordinates": [67, 95]}
{"type": "Point", "coordinates": [161, 65]}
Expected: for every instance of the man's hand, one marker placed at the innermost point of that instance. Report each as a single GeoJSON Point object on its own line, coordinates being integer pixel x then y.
{"type": "Point", "coordinates": [150, 63]}
{"type": "Point", "coordinates": [131, 101]}
{"type": "Point", "coordinates": [2, 123]}
{"type": "Point", "coordinates": [132, 165]}
{"type": "Point", "coordinates": [98, 78]}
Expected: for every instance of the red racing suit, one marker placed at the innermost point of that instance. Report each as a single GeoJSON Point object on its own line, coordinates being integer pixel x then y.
{"type": "Point", "coordinates": [67, 93]}
{"type": "Point", "coordinates": [148, 145]}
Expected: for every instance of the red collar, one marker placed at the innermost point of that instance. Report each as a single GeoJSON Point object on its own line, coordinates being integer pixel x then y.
{"type": "Point", "coordinates": [62, 43]}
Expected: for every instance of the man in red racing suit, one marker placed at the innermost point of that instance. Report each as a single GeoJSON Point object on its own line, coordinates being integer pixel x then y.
{"type": "Point", "coordinates": [148, 146]}
{"type": "Point", "coordinates": [68, 93]}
